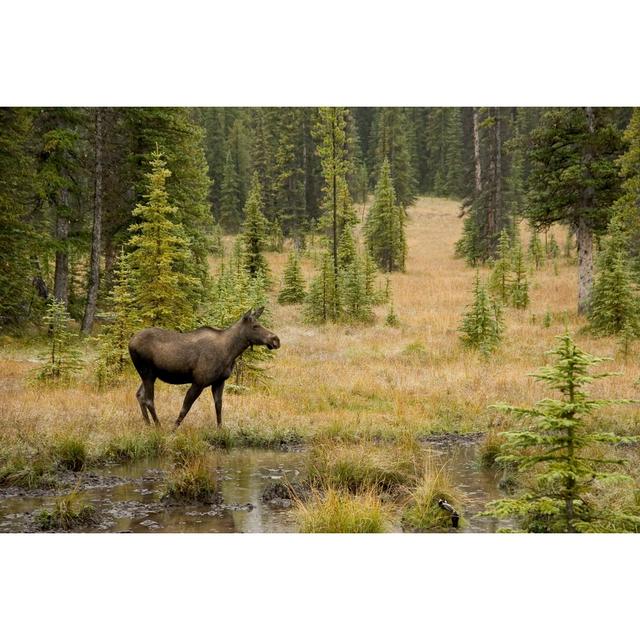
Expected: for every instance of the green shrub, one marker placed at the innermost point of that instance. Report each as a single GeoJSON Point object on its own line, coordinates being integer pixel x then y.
{"type": "Point", "coordinates": [70, 452]}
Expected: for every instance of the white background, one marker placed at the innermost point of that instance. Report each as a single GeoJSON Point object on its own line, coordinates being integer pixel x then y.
{"type": "Point", "coordinates": [303, 53]}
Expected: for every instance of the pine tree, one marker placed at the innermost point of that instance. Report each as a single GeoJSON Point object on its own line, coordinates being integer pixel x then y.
{"type": "Point", "coordinates": [482, 325]}
{"type": "Point", "coordinates": [574, 179]}
{"type": "Point", "coordinates": [536, 250]}
{"type": "Point", "coordinates": [454, 154]}
{"type": "Point", "coordinates": [233, 292]}
{"type": "Point", "coordinates": [254, 232]}
{"type": "Point", "coordinates": [293, 287]}
{"type": "Point", "coordinates": [230, 195]}
{"type": "Point", "coordinates": [165, 292]}
{"type": "Point", "coordinates": [384, 226]}
{"type": "Point", "coordinates": [63, 359]}
{"type": "Point", "coordinates": [356, 304]}
{"type": "Point", "coordinates": [391, 133]}
{"type": "Point", "coordinates": [332, 149]}
{"type": "Point", "coordinates": [17, 237]}
{"type": "Point", "coordinates": [113, 341]}
{"type": "Point", "coordinates": [558, 448]}
{"type": "Point", "coordinates": [518, 284]}
{"type": "Point", "coordinates": [499, 279]}
{"type": "Point", "coordinates": [553, 248]}
{"type": "Point", "coordinates": [615, 305]}
{"type": "Point", "coordinates": [628, 203]}
{"type": "Point", "coordinates": [321, 304]}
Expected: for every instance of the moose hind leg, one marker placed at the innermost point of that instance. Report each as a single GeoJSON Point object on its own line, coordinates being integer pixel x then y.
{"type": "Point", "coordinates": [148, 400]}
{"type": "Point", "coordinates": [192, 395]}
{"type": "Point", "coordinates": [217, 399]}
{"type": "Point", "coordinates": [141, 401]}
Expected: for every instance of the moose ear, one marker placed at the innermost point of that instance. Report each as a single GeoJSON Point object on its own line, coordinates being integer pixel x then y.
{"type": "Point", "coordinates": [258, 312]}
{"type": "Point", "coordinates": [248, 314]}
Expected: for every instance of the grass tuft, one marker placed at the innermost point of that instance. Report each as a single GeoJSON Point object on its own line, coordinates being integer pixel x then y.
{"type": "Point", "coordinates": [341, 512]}
{"type": "Point", "coordinates": [68, 512]}
{"type": "Point", "coordinates": [421, 511]}
{"type": "Point", "coordinates": [70, 452]}
{"type": "Point", "coordinates": [191, 482]}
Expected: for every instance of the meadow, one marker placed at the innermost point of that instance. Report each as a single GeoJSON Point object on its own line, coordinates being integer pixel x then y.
{"type": "Point", "coordinates": [332, 385]}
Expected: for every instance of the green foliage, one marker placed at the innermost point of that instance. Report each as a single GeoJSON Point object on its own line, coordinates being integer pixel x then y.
{"type": "Point", "coordinates": [392, 144]}
{"type": "Point", "coordinates": [164, 290]}
{"type": "Point", "coordinates": [70, 452]}
{"type": "Point", "coordinates": [518, 284]}
{"type": "Point", "coordinates": [16, 236]}
{"type": "Point", "coordinates": [322, 305]}
{"type": "Point", "coordinates": [391, 319]}
{"type": "Point", "coordinates": [62, 360]}
{"type": "Point", "coordinates": [553, 248]}
{"type": "Point", "coordinates": [482, 325]}
{"type": "Point", "coordinates": [568, 158]}
{"type": "Point", "coordinates": [113, 341]}
{"type": "Point", "coordinates": [499, 281]}
{"type": "Point", "coordinates": [562, 453]}
{"type": "Point", "coordinates": [293, 286]}
{"type": "Point", "coordinates": [385, 225]}
{"type": "Point", "coordinates": [615, 305]}
{"type": "Point", "coordinates": [254, 233]}
{"type": "Point", "coordinates": [357, 299]}
{"type": "Point", "coordinates": [536, 250]}
{"type": "Point", "coordinates": [233, 293]}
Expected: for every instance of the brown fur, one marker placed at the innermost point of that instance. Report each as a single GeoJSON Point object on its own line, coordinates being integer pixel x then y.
{"type": "Point", "coordinates": [204, 357]}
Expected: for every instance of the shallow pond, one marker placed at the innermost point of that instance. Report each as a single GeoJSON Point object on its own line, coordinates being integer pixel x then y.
{"type": "Point", "coordinates": [126, 497]}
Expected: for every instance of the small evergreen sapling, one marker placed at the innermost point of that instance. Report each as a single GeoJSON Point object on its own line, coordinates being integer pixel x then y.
{"type": "Point", "coordinates": [62, 359]}
{"type": "Point", "coordinates": [113, 341]}
{"type": "Point", "coordinates": [518, 284]}
{"type": "Point", "coordinates": [558, 448]}
{"type": "Point", "coordinates": [255, 233]}
{"type": "Point", "coordinates": [293, 287]}
{"type": "Point", "coordinates": [536, 250]}
{"type": "Point", "coordinates": [499, 279]}
{"type": "Point", "coordinates": [482, 326]}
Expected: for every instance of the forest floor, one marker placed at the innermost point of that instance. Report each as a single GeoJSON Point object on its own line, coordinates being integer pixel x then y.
{"type": "Point", "coordinates": [352, 381]}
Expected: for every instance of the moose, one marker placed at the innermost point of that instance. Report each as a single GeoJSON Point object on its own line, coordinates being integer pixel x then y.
{"type": "Point", "coordinates": [203, 357]}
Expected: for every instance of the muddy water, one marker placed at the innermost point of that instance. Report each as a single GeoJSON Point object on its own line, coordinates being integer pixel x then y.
{"type": "Point", "coordinates": [126, 497]}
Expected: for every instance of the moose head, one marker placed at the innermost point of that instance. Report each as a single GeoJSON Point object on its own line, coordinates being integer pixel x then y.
{"type": "Point", "coordinates": [255, 333]}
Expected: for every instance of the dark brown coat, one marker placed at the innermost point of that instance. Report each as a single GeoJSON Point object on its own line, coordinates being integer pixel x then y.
{"type": "Point", "coordinates": [204, 357]}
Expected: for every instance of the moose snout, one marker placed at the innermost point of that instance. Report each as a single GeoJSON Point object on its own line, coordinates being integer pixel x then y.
{"type": "Point", "coordinates": [274, 342]}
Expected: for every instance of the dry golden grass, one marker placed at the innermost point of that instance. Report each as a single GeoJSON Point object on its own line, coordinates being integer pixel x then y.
{"type": "Point", "coordinates": [359, 380]}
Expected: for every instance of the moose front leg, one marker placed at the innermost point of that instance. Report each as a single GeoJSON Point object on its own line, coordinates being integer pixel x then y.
{"type": "Point", "coordinates": [192, 395]}
{"type": "Point", "coordinates": [217, 390]}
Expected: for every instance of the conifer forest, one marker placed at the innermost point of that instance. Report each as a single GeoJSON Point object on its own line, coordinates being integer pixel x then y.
{"type": "Point", "coordinates": [420, 319]}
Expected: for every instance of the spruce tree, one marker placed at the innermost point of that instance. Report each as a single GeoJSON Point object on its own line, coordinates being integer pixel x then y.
{"type": "Point", "coordinates": [165, 291]}
{"type": "Point", "coordinates": [615, 305]}
{"type": "Point", "coordinates": [113, 341]}
{"type": "Point", "coordinates": [356, 304]}
{"type": "Point", "coordinates": [18, 240]}
{"type": "Point", "coordinates": [231, 201]}
{"type": "Point", "coordinates": [293, 287]}
{"type": "Point", "coordinates": [321, 304]}
{"type": "Point", "coordinates": [557, 447]}
{"type": "Point", "coordinates": [62, 360]}
{"type": "Point", "coordinates": [384, 226]}
{"type": "Point", "coordinates": [536, 250]}
{"type": "Point", "coordinates": [233, 292]}
{"type": "Point", "coordinates": [254, 232]}
{"type": "Point", "coordinates": [482, 325]}
{"type": "Point", "coordinates": [574, 179]}
{"type": "Point", "coordinates": [500, 275]}
{"type": "Point", "coordinates": [518, 284]}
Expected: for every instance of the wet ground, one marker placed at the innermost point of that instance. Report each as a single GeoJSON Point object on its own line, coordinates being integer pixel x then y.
{"type": "Point", "coordinates": [126, 497]}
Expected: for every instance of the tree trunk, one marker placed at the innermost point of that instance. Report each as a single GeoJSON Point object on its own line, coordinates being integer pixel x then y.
{"type": "Point", "coordinates": [584, 234]}
{"type": "Point", "coordinates": [61, 278]}
{"type": "Point", "coordinates": [476, 151]}
{"type": "Point", "coordinates": [584, 240]}
{"type": "Point", "coordinates": [94, 273]}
